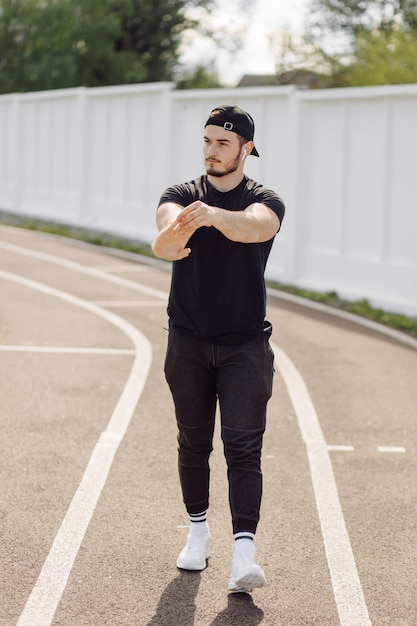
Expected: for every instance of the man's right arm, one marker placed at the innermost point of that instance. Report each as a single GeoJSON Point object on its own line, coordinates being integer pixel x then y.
{"type": "Point", "coordinates": [170, 243]}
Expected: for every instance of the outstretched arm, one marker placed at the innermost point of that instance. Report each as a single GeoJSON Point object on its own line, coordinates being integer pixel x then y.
{"type": "Point", "coordinates": [257, 223]}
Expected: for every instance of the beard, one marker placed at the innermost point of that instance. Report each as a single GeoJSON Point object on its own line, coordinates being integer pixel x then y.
{"type": "Point", "coordinates": [232, 167]}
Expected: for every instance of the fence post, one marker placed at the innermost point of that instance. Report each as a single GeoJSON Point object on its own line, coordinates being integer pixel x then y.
{"type": "Point", "coordinates": [15, 156]}
{"type": "Point", "coordinates": [82, 150]}
{"type": "Point", "coordinates": [295, 210]}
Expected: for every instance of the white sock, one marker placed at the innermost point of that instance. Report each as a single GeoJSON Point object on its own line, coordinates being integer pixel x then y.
{"type": "Point", "coordinates": [198, 521]}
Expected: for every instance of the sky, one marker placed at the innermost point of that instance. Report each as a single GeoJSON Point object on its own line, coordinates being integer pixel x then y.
{"type": "Point", "coordinates": [265, 18]}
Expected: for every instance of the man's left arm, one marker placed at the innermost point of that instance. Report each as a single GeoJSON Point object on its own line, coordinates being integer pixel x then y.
{"type": "Point", "coordinates": [255, 224]}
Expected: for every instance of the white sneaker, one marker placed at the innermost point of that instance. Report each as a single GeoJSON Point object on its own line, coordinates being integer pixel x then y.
{"type": "Point", "coordinates": [246, 575]}
{"type": "Point", "coordinates": [197, 549]}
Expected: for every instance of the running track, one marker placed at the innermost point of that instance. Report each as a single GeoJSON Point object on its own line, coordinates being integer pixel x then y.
{"type": "Point", "coordinates": [91, 513]}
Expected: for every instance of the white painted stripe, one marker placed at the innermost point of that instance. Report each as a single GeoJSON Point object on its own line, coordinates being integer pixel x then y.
{"type": "Point", "coordinates": [347, 588]}
{"type": "Point", "coordinates": [356, 319]}
{"type": "Point", "coordinates": [62, 350]}
{"type": "Point", "coordinates": [133, 268]}
{"type": "Point", "coordinates": [89, 271]}
{"type": "Point", "coordinates": [389, 449]}
{"type": "Point", "coordinates": [335, 448]}
{"type": "Point", "coordinates": [46, 594]}
{"type": "Point", "coordinates": [117, 304]}
{"type": "Point", "coordinates": [345, 581]}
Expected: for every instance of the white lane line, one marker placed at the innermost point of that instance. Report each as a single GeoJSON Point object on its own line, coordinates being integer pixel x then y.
{"type": "Point", "coordinates": [391, 449]}
{"type": "Point", "coordinates": [347, 588]}
{"type": "Point", "coordinates": [117, 304]}
{"type": "Point", "coordinates": [89, 271]}
{"type": "Point", "coordinates": [345, 581]}
{"type": "Point", "coordinates": [63, 350]}
{"type": "Point", "coordinates": [336, 448]}
{"type": "Point", "coordinates": [122, 268]}
{"type": "Point", "coordinates": [46, 594]}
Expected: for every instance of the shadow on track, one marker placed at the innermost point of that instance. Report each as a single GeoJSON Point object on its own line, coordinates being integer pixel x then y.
{"type": "Point", "coordinates": [177, 603]}
{"type": "Point", "coordinates": [240, 611]}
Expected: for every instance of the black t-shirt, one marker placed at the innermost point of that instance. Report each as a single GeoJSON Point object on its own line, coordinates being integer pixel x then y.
{"type": "Point", "coordinates": [218, 291]}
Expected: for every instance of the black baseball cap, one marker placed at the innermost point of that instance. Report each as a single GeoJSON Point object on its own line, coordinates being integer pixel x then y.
{"type": "Point", "coordinates": [235, 119]}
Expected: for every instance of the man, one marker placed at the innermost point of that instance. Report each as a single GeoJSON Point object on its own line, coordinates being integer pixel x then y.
{"type": "Point", "coordinates": [218, 231]}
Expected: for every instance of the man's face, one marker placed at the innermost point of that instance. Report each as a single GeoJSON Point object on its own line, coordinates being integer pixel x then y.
{"type": "Point", "coordinates": [222, 151]}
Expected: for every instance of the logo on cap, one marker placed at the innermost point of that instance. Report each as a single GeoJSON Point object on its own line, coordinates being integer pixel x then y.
{"type": "Point", "coordinates": [242, 123]}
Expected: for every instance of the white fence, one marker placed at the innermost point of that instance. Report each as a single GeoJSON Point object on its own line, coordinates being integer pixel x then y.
{"type": "Point", "coordinates": [345, 162]}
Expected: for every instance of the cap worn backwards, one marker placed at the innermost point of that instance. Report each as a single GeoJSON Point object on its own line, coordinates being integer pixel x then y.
{"type": "Point", "coordinates": [235, 119]}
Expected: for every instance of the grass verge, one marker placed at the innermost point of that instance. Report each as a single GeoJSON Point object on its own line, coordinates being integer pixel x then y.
{"type": "Point", "coordinates": [361, 307]}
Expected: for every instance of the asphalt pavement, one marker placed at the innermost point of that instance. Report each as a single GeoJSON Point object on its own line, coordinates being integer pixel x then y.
{"type": "Point", "coordinates": [91, 514]}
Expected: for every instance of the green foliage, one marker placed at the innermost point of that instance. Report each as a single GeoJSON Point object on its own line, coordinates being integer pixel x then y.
{"type": "Point", "coordinates": [199, 78]}
{"type": "Point", "coordinates": [151, 32]}
{"type": "Point", "coordinates": [55, 44]}
{"type": "Point", "coordinates": [380, 58]}
{"type": "Point", "coordinates": [352, 16]}
{"type": "Point", "coordinates": [50, 44]}
{"type": "Point", "coordinates": [361, 42]}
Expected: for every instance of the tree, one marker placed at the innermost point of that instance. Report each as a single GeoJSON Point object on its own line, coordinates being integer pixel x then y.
{"type": "Point", "coordinates": [54, 44]}
{"type": "Point", "coordinates": [353, 16]}
{"type": "Point", "coordinates": [152, 31]}
{"type": "Point", "coordinates": [379, 59]}
{"type": "Point", "coordinates": [358, 42]}
{"type": "Point", "coordinates": [221, 31]}
{"type": "Point", "coordinates": [199, 78]}
{"type": "Point", "coordinates": [50, 44]}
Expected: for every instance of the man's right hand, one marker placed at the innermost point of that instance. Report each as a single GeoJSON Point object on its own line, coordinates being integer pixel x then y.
{"type": "Point", "coordinates": [170, 243]}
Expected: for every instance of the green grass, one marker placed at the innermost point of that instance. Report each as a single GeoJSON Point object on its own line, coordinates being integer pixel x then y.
{"type": "Point", "coordinates": [80, 234]}
{"type": "Point", "coordinates": [362, 307]}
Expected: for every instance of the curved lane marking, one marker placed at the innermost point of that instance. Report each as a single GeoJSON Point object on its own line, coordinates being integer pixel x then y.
{"type": "Point", "coordinates": [46, 594]}
{"type": "Point", "coordinates": [345, 581]}
{"type": "Point", "coordinates": [78, 267]}
{"type": "Point", "coordinates": [349, 598]}
{"type": "Point", "coordinates": [65, 350]}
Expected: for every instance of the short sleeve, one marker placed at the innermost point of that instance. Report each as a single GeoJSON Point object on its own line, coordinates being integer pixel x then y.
{"type": "Point", "coordinates": [179, 194]}
{"type": "Point", "coordinates": [270, 199]}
